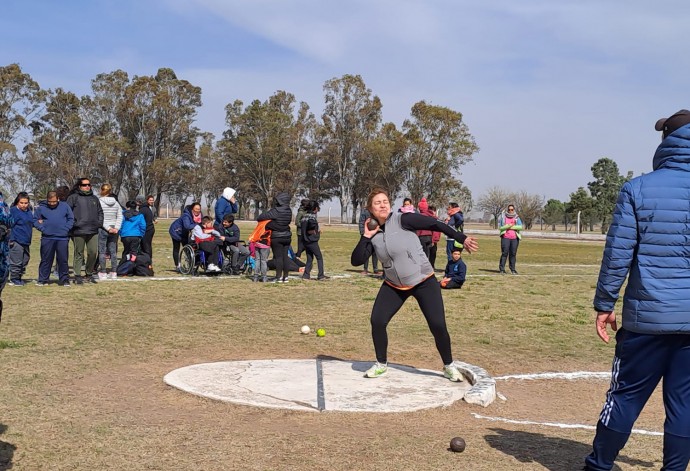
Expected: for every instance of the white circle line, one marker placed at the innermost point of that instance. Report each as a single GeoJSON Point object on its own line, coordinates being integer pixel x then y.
{"type": "Point", "coordinates": [558, 375]}
{"type": "Point", "coordinates": [557, 425]}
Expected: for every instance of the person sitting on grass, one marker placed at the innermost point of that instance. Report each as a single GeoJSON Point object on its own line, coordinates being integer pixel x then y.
{"type": "Point", "coordinates": [210, 241]}
{"type": "Point", "coordinates": [132, 232]}
{"type": "Point", "coordinates": [456, 270]}
{"type": "Point", "coordinates": [233, 248]}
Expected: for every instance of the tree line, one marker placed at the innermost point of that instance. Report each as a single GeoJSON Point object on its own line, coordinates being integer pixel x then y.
{"type": "Point", "coordinates": [139, 134]}
{"type": "Point", "coordinates": [595, 204]}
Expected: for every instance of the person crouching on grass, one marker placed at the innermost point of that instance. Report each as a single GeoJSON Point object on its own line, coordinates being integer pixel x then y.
{"type": "Point", "coordinates": [407, 272]}
{"type": "Point", "coordinates": [210, 241]}
{"type": "Point", "coordinates": [456, 271]}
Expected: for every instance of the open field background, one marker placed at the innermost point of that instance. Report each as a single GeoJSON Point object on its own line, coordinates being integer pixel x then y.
{"type": "Point", "coordinates": [82, 369]}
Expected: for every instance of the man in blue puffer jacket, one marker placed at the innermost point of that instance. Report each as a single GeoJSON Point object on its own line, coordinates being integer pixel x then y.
{"type": "Point", "coordinates": [648, 243]}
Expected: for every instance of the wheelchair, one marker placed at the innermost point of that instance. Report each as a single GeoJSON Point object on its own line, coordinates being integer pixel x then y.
{"type": "Point", "coordinates": [193, 259]}
{"type": "Point", "coordinates": [246, 268]}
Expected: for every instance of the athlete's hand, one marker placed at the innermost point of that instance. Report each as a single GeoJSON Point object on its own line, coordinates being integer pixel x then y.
{"type": "Point", "coordinates": [603, 318]}
{"type": "Point", "coordinates": [368, 233]}
{"type": "Point", "coordinates": [471, 244]}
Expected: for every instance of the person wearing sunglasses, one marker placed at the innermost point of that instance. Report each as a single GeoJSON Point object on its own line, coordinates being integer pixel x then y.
{"type": "Point", "coordinates": [88, 218]}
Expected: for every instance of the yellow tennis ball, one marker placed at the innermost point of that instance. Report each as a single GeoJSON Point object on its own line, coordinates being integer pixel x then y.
{"type": "Point", "coordinates": [321, 333]}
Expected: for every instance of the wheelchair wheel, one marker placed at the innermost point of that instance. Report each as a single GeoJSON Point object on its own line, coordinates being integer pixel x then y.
{"type": "Point", "coordinates": [187, 260]}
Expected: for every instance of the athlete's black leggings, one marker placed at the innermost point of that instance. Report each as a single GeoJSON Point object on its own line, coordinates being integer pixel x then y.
{"type": "Point", "coordinates": [390, 300]}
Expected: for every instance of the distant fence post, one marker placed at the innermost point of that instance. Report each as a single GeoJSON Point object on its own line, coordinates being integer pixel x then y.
{"type": "Point", "coordinates": [329, 215]}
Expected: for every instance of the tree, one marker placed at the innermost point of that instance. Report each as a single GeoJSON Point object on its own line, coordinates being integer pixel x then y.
{"type": "Point", "coordinates": [157, 121]}
{"type": "Point", "coordinates": [553, 213]}
{"type": "Point", "coordinates": [494, 201]}
{"type": "Point", "coordinates": [101, 124]}
{"type": "Point", "coordinates": [581, 201]}
{"type": "Point", "coordinates": [59, 153]}
{"type": "Point", "coordinates": [351, 118]}
{"type": "Point", "coordinates": [529, 207]}
{"type": "Point", "coordinates": [21, 99]}
{"type": "Point", "coordinates": [266, 144]}
{"type": "Point", "coordinates": [386, 164]}
{"type": "Point", "coordinates": [605, 188]}
{"type": "Point", "coordinates": [439, 144]}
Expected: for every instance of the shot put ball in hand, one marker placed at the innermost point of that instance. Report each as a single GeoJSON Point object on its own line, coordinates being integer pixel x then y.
{"type": "Point", "coordinates": [372, 224]}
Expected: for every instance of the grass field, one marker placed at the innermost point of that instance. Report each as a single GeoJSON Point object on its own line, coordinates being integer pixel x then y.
{"type": "Point", "coordinates": [82, 369]}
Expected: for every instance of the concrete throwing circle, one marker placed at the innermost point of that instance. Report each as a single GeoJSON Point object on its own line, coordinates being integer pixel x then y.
{"type": "Point", "coordinates": [334, 385]}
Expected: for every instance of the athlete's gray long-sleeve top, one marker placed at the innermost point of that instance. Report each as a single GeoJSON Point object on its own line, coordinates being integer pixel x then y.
{"type": "Point", "coordinates": [398, 248]}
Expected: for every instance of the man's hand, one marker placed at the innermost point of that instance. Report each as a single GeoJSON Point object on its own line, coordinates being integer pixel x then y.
{"type": "Point", "coordinates": [603, 318]}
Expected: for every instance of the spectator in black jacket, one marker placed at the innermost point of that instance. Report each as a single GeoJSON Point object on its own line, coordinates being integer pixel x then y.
{"type": "Point", "coordinates": [311, 235]}
{"type": "Point", "coordinates": [147, 241]}
{"type": "Point", "coordinates": [281, 235]}
{"type": "Point", "coordinates": [456, 271]}
{"type": "Point", "coordinates": [88, 218]}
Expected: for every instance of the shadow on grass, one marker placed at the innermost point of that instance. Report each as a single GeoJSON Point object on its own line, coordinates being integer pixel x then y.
{"type": "Point", "coordinates": [488, 270]}
{"type": "Point", "coordinates": [553, 453]}
{"type": "Point", "coordinates": [6, 451]}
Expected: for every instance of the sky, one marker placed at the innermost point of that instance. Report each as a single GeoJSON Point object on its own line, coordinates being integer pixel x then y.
{"type": "Point", "coordinates": [545, 87]}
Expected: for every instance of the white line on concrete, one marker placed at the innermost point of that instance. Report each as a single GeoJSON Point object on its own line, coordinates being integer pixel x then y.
{"type": "Point", "coordinates": [557, 425]}
{"type": "Point", "coordinates": [558, 375]}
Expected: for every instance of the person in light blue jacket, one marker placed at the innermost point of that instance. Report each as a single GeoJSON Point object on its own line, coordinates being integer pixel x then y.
{"type": "Point", "coordinates": [132, 231]}
{"type": "Point", "coordinates": [648, 242]}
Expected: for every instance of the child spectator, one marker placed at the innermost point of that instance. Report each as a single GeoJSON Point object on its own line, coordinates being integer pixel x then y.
{"type": "Point", "coordinates": [311, 235]}
{"type": "Point", "coordinates": [209, 240]}
{"type": "Point", "coordinates": [233, 248]}
{"type": "Point", "coordinates": [54, 219]}
{"type": "Point", "coordinates": [260, 247]}
{"type": "Point", "coordinates": [132, 231]}
{"type": "Point", "coordinates": [456, 271]}
{"type": "Point", "coordinates": [20, 238]}
{"type": "Point", "coordinates": [108, 234]}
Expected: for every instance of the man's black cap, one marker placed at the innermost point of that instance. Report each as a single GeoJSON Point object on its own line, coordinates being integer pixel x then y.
{"type": "Point", "coordinates": [673, 122]}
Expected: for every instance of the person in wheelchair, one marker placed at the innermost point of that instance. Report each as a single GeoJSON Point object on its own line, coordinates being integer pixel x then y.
{"type": "Point", "coordinates": [234, 249]}
{"type": "Point", "coordinates": [209, 241]}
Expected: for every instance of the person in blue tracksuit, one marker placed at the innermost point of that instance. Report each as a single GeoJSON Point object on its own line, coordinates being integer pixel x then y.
{"type": "Point", "coordinates": [647, 242]}
{"type": "Point", "coordinates": [20, 238]}
{"type": "Point", "coordinates": [55, 220]}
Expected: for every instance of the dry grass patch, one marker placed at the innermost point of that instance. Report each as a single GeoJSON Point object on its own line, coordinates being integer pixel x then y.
{"type": "Point", "coordinates": [83, 369]}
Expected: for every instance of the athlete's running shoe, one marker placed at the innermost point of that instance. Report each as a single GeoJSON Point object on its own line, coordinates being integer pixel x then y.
{"type": "Point", "coordinates": [452, 373]}
{"type": "Point", "coordinates": [378, 369]}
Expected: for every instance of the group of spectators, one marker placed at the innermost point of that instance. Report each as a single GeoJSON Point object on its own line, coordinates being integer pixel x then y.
{"type": "Point", "coordinates": [93, 224]}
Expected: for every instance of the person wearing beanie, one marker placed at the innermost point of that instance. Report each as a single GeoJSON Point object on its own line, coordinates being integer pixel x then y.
{"type": "Point", "coordinates": [225, 204]}
{"type": "Point", "coordinates": [425, 235]}
{"type": "Point", "coordinates": [647, 245]}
